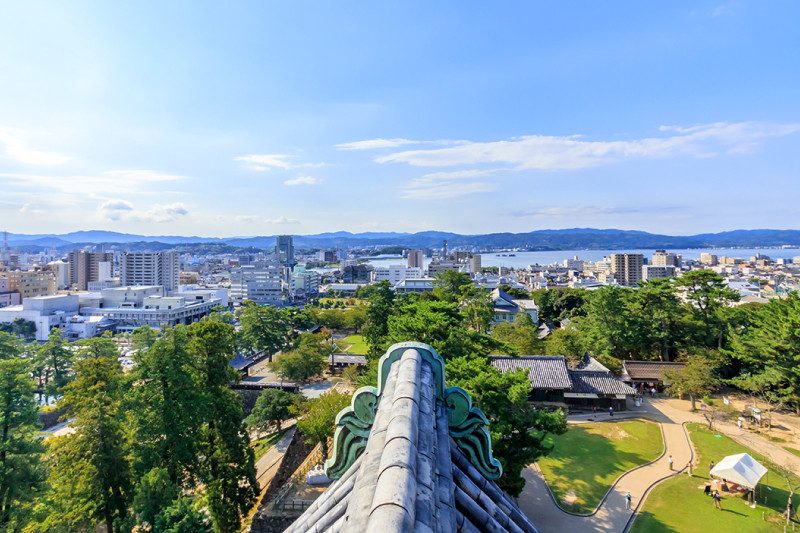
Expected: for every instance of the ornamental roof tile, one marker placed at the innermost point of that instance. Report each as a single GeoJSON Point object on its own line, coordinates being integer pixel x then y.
{"type": "Point", "coordinates": [412, 456]}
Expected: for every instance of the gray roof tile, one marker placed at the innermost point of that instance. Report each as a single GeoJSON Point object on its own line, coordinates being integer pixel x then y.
{"type": "Point", "coordinates": [544, 372]}
{"type": "Point", "coordinates": [412, 476]}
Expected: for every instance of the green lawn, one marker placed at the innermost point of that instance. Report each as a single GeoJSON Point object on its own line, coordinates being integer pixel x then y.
{"type": "Point", "coordinates": [358, 346]}
{"type": "Point", "coordinates": [792, 450]}
{"type": "Point", "coordinates": [588, 458]}
{"type": "Point", "coordinates": [679, 504]}
{"type": "Point", "coordinates": [261, 446]}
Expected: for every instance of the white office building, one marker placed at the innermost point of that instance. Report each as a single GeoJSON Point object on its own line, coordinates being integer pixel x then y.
{"type": "Point", "coordinates": [394, 273]}
{"type": "Point", "coordinates": [263, 285]}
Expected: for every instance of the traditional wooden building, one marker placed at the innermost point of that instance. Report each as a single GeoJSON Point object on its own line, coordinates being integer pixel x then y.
{"type": "Point", "coordinates": [648, 374]}
{"type": "Point", "coordinates": [588, 385]}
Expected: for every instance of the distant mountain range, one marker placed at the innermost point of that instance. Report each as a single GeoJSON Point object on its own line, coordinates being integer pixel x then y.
{"type": "Point", "coordinates": [562, 239]}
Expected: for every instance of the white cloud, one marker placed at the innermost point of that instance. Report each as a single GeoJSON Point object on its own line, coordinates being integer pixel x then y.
{"type": "Point", "coordinates": [135, 177]}
{"type": "Point", "coordinates": [115, 210]}
{"type": "Point", "coordinates": [541, 152]}
{"type": "Point", "coordinates": [164, 213]}
{"type": "Point", "coordinates": [302, 180]}
{"type": "Point", "coordinates": [441, 190]}
{"type": "Point", "coordinates": [16, 150]}
{"type": "Point", "coordinates": [262, 162]}
{"type": "Point", "coordinates": [265, 161]}
{"type": "Point", "coordinates": [374, 143]}
{"type": "Point", "coordinates": [114, 182]}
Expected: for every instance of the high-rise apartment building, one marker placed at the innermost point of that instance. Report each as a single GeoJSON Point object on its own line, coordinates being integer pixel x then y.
{"type": "Point", "coordinates": [416, 259]}
{"type": "Point", "coordinates": [627, 268]}
{"type": "Point", "coordinates": [284, 250]}
{"type": "Point", "coordinates": [662, 258]}
{"type": "Point", "coordinates": [85, 267]}
{"type": "Point", "coordinates": [475, 265]}
{"type": "Point", "coordinates": [150, 268]}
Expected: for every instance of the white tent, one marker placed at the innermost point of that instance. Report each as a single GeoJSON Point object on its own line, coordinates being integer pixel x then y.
{"type": "Point", "coordinates": [740, 469]}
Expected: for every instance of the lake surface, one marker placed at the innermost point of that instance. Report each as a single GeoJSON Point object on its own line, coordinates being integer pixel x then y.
{"type": "Point", "coordinates": [520, 260]}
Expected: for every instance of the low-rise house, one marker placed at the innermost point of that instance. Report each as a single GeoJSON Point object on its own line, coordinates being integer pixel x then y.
{"type": "Point", "coordinates": [648, 374]}
{"type": "Point", "coordinates": [506, 307]}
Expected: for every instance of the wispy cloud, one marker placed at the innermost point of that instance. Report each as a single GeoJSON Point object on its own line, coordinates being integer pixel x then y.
{"type": "Point", "coordinates": [15, 149]}
{"type": "Point", "coordinates": [258, 219]}
{"type": "Point", "coordinates": [302, 180]}
{"type": "Point", "coordinates": [551, 153]}
{"type": "Point", "coordinates": [441, 190]}
{"type": "Point", "coordinates": [263, 162]}
{"type": "Point", "coordinates": [116, 210]}
{"type": "Point", "coordinates": [543, 152]}
{"type": "Point", "coordinates": [374, 143]}
{"type": "Point", "coordinates": [114, 182]}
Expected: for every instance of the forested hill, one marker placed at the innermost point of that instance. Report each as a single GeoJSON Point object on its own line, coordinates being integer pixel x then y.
{"type": "Point", "coordinates": [563, 239]}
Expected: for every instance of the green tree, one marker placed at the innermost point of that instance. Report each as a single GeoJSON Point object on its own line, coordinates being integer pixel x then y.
{"type": "Point", "coordinates": [522, 334]}
{"type": "Point", "coordinates": [656, 310]}
{"type": "Point", "coordinates": [167, 406]}
{"type": "Point", "coordinates": [271, 409]}
{"type": "Point", "coordinates": [697, 379]}
{"type": "Point", "coordinates": [566, 342]}
{"type": "Point", "coordinates": [707, 295]}
{"type": "Point", "coordinates": [143, 338]}
{"type": "Point", "coordinates": [518, 430]}
{"type": "Point", "coordinates": [376, 325]}
{"type": "Point", "coordinates": [319, 422]}
{"type": "Point", "coordinates": [220, 313]}
{"type": "Point", "coordinates": [477, 307]}
{"type": "Point", "coordinates": [90, 475]}
{"type": "Point", "coordinates": [54, 358]}
{"type": "Point", "coordinates": [450, 285]}
{"type": "Point", "coordinates": [228, 469]}
{"type": "Point", "coordinates": [309, 359]}
{"type": "Point", "coordinates": [263, 329]}
{"type": "Point", "coordinates": [607, 328]}
{"type": "Point", "coordinates": [514, 292]}
{"type": "Point", "coordinates": [21, 473]}
{"type": "Point", "coordinates": [769, 350]}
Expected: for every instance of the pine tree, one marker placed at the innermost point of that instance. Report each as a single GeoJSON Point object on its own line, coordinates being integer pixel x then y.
{"type": "Point", "coordinates": [21, 472]}
{"type": "Point", "coordinates": [228, 469]}
{"type": "Point", "coordinates": [90, 475]}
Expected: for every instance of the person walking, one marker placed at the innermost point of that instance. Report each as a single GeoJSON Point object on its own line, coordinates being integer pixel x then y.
{"type": "Point", "coordinates": [611, 411]}
{"type": "Point", "coordinates": [628, 499]}
{"type": "Point", "coordinates": [670, 461]}
{"type": "Point", "coordinates": [710, 468]}
{"type": "Point", "coordinates": [717, 500]}
{"type": "Point", "coordinates": [739, 423]}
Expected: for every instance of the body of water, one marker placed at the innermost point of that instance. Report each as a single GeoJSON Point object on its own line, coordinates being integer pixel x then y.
{"type": "Point", "coordinates": [519, 260]}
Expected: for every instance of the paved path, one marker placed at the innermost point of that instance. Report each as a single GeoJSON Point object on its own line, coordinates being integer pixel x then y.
{"type": "Point", "coordinates": [268, 464]}
{"type": "Point", "coordinates": [611, 516]}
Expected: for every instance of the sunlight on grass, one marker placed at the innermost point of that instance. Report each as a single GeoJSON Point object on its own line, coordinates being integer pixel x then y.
{"type": "Point", "coordinates": [358, 346]}
{"type": "Point", "coordinates": [262, 446]}
{"type": "Point", "coordinates": [679, 504]}
{"type": "Point", "coordinates": [588, 459]}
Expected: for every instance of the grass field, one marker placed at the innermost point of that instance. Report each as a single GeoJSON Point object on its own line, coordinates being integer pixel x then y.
{"type": "Point", "coordinates": [588, 458]}
{"type": "Point", "coordinates": [358, 345]}
{"type": "Point", "coordinates": [679, 505]}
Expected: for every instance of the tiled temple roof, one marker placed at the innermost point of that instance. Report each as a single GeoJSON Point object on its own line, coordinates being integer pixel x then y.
{"type": "Point", "coordinates": [412, 456]}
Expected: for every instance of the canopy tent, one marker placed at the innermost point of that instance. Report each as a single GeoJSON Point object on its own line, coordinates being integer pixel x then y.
{"type": "Point", "coordinates": [740, 469]}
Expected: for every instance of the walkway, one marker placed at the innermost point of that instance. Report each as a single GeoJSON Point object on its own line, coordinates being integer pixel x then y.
{"type": "Point", "coordinates": [268, 464]}
{"type": "Point", "coordinates": [611, 516]}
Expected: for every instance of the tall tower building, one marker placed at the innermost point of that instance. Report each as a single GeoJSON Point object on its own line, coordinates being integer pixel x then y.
{"type": "Point", "coordinates": [284, 250]}
{"type": "Point", "coordinates": [86, 266]}
{"type": "Point", "coordinates": [150, 268]}
{"type": "Point", "coordinates": [627, 268]}
{"type": "Point", "coordinates": [416, 259]}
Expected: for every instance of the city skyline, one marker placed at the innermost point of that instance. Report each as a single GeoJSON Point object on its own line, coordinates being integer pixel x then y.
{"type": "Point", "coordinates": [248, 119]}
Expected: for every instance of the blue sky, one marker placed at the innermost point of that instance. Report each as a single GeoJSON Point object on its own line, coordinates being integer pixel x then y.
{"type": "Point", "coordinates": [257, 118]}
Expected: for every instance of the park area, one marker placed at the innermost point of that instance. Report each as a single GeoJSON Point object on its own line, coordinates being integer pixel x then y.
{"type": "Point", "coordinates": [679, 504]}
{"type": "Point", "coordinates": [354, 344]}
{"type": "Point", "coordinates": [589, 458]}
